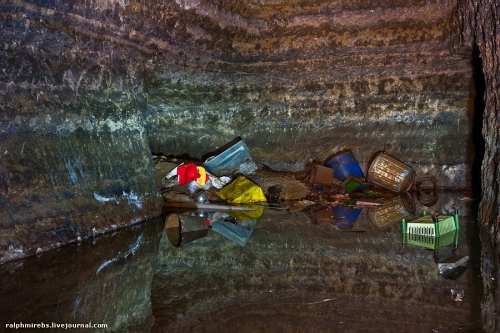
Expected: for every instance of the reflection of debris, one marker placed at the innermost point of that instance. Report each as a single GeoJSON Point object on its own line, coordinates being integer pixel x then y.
{"type": "Point", "coordinates": [237, 232]}
{"type": "Point", "coordinates": [427, 191]}
{"type": "Point", "coordinates": [392, 211]}
{"type": "Point", "coordinates": [457, 295]}
{"type": "Point", "coordinates": [345, 217]}
{"type": "Point", "coordinates": [182, 229]}
{"type": "Point", "coordinates": [235, 225]}
{"type": "Point", "coordinates": [321, 215]}
{"type": "Point", "coordinates": [368, 202]}
{"type": "Point", "coordinates": [244, 215]}
{"type": "Point", "coordinates": [207, 206]}
{"type": "Point", "coordinates": [451, 263]}
{"type": "Point", "coordinates": [298, 205]}
{"type": "Point", "coordinates": [453, 267]}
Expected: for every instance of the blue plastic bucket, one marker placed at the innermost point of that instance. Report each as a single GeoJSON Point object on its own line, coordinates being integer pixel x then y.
{"type": "Point", "coordinates": [344, 165]}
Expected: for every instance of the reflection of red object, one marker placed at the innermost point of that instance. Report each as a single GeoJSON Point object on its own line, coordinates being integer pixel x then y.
{"type": "Point", "coordinates": [187, 172]}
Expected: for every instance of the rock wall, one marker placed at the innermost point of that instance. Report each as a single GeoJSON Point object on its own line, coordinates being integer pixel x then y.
{"type": "Point", "coordinates": [90, 88]}
{"type": "Point", "coordinates": [479, 24]}
{"type": "Point", "coordinates": [305, 81]}
{"type": "Point", "coordinates": [490, 273]}
{"type": "Point", "coordinates": [74, 158]}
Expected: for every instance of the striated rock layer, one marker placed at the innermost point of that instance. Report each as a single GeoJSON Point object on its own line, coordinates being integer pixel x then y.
{"type": "Point", "coordinates": [479, 23]}
{"type": "Point", "coordinates": [74, 155]}
{"type": "Point", "coordinates": [305, 81]}
{"type": "Point", "coordinates": [89, 89]}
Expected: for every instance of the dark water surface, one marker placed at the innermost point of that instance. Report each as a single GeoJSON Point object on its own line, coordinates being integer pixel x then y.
{"type": "Point", "coordinates": [298, 272]}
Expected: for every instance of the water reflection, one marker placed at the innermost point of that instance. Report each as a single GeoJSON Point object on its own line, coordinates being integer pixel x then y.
{"type": "Point", "coordinates": [184, 228]}
{"type": "Point", "coordinates": [236, 225]}
{"type": "Point", "coordinates": [393, 210]}
{"type": "Point", "coordinates": [281, 271]}
{"type": "Point", "coordinates": [302, 272]}
{"type": "Point", "coordinates": [104, 281]}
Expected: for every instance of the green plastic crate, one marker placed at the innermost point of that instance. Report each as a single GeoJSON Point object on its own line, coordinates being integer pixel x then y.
{"type": "Point", "coordinates": [433, 227]}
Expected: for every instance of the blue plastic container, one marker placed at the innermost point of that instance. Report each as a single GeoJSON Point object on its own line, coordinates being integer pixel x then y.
{"type": "Point", "coordinates": [235, 159]}
{"type": "Point", "coordinates": [344, 165]}
{"type": "Point", "coordinates": [344, 217]}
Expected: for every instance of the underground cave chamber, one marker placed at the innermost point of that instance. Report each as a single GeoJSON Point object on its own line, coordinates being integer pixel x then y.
{"type": "Point", "coordinates": [94, 91]}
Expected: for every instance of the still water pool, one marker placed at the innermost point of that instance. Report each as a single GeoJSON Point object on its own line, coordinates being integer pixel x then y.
{"type": "Point", "coordinates": [298, 271]}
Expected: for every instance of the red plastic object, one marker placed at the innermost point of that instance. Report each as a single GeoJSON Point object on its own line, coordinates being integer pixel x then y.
{"type": "Point", "coordinates": [187, 173]}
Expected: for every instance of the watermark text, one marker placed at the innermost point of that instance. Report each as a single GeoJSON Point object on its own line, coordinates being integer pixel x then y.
{"type": "Point", "coordinates": [65, 326]}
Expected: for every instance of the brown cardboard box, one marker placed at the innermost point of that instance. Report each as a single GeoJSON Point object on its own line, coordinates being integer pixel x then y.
{"type": "Point", "coordinates": [321, 174]}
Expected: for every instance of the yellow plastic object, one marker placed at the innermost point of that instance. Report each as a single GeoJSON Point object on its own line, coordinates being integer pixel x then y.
{"type": "Point", "coordinates": [203, 176]}
{"type": "Point", "coordinates": [242, 190]}
{"type": "Point", "coordinates": [241, 216]}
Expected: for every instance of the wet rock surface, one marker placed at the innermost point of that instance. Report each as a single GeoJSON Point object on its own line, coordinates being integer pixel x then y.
{"type": "Point", "coordinates": [89, 90]}
{"type": "Point", "coordinates": [104, 281]}
{"type": "Point", "coordinates": [479, 24]}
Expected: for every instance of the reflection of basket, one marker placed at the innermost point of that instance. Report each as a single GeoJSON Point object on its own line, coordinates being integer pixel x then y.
{"type": "Point", "coordinates": [431, 242]}
{"type": "Point", "coordinates": [392, 211]}
{"type": "Point", "coordinates": [389, 173]}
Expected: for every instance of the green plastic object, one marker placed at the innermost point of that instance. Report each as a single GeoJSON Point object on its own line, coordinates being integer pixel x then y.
{"type": "Point", "coordinates": [427, 226]}
{"type": "Point", "coordinates": [351, 184]}
{"type": "Point", "coordinates": [457, 221]}
{"type": "Point", "coordinates": [432, 233]}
